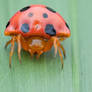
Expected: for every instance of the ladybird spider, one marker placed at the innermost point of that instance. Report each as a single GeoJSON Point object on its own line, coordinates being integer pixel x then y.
{"type": "Point", "coordinates": [36, 29]}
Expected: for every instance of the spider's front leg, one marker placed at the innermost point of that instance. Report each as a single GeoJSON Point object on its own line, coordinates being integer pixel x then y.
{"type": "Point", "coordinates": [12, 50]}
{"type": "Point", "coordinates": [18, 38]}
{"type": "Point", "coordinates": [7, 43]}
{"type": "Point", "coordinates": [58, 47]}
{"type": "Point", "coordinates": [12, 41]}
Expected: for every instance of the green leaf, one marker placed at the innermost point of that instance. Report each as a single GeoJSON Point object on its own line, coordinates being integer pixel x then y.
{"type": "Point", "coordinates": [45, 74]}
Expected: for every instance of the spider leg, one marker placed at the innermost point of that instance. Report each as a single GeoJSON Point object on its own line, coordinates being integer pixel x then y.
{"type": "Point", "coordinates": [31, 53]}
{"type": "Point", "coordinates": [7, 43]}
{"type": "Point", "coordinates": [57, 45]}
{"type": "Point", "coordinates": [11, 51]}
{"type": "Point", "coordinates": [19, 47]}
{"type": "Point", "coordinates": [61, 57]}
{"type": "Point", "coordinates": [61, 48]}
{"type": "Point", "coordinates": [39, 54]}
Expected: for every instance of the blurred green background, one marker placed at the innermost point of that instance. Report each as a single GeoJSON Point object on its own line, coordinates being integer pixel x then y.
{"type": "Point", "coordinates": [45, 74]}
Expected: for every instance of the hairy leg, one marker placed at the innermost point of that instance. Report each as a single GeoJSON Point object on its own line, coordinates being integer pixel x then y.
{"type": "Point", "coordinates": [39, 54]}
{"type": "Point", "coordinates": [7, 43]}
{"type": "Point", "coordinates": [61, 48]}
{"type": "Point", "coordinates": [19, 47]}
{"type": "Point", "coordinates": [61, 57]}
{"type": "Point", "coordinates": [12, 50]}
{"type": "Point", "coordinates": [31, 53]}
{"type": "Point", "coordinates": [57, 45]}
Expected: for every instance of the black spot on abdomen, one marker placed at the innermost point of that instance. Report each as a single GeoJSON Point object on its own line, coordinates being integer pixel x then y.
{"type": "Point", "coordinates": [7, 24]}
{"type": "Point", "coordinates": [67, 25]}
{"type": "Point", "coordinates": [24, 9]}
{"type": "Point", "coordinates": [30, 14]}
{"type": "Point", "coordinates": [49, 29]}
{"type": "Point", "coordinates": [50, 9]}
{"type": "Point", "coordinates": [45, 15]}
{"type": "Point", "coordinates": [25, 28]}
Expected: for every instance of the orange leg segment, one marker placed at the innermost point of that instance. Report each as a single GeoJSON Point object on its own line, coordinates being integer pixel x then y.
{"type": "Point", "coordinates": [7, 43]}
{"type": "Point", "coordinates": [12, 50]}
{"type": "Point", "coordinates": [62, 48]}
{"type": "Point", "coordinates": [61, 57]}
{"type": "Point", "coordinates": [12, 41]}
{"type": "Point", "coordinates": [39, 54]}
{"type": "Point", "coordinates": [19, 47]}
{"type": "Point", "coordinates": [31, 53]}
{"type": "Point", "coordinates": [57, 45]}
